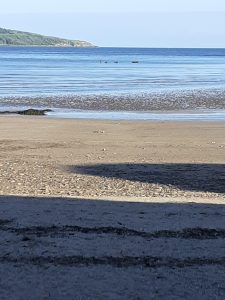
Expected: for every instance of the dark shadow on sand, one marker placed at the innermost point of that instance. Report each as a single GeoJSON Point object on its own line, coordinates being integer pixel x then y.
{"type": "Point", "coordinates": [190, 177]}
{"type": "Point", "coordinates": [33, 218]}
{"type": "Point", "coordinates": [57, 216]}
{"type": "Point", "coordinates": [96, 246]}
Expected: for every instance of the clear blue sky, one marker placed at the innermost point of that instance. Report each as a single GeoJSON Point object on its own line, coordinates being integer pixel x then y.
{"type": "Point", "coordinates": [138, 23]}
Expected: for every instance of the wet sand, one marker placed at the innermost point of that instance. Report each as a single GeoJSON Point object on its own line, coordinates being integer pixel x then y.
{"type": "Point", "coordinates": [155, 101]}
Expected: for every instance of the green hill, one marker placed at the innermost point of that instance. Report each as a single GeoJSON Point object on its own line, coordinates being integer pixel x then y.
{"type": "Point", "coordinates": [20, 38]}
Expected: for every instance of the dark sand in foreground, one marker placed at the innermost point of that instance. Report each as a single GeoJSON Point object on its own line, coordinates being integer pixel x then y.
{"type": "Point", "coordinates": [85, 249]}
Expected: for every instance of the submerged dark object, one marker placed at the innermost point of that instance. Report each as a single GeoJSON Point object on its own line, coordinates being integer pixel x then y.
{"type": "Point", "coordinates": [31, 112]}
{"type": "Point", "coordinates": [28, 112]}
{"type": "Point", "coordinates": [135, 62]}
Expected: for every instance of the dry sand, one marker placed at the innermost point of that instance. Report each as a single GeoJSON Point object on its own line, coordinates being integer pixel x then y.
{"type": "Point", "coordinates": [41, 156]}
{"type": "Point", "coordinates": [149, 222]}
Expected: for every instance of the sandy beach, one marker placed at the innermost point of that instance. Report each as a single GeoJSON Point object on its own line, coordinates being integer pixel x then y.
{"type": "Point", "coordinates": [41, 156]}
{"type": "Point", "coordinates": [111, 209]}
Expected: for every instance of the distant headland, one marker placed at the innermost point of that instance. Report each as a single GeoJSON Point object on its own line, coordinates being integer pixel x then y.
{"type": "Point", "coordinates": [19, 38]}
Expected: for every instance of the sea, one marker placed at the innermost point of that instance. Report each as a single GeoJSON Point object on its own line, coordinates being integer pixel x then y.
{"type": "Point", "coordinates": [41, 71]}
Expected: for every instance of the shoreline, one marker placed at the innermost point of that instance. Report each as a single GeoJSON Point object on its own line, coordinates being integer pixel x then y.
{"type": "Point", "coordinates": [167, 116]}
{"type": "Point", "coordinates": [198, 115]}
{"type": "Point", "coordinates": [195, 105]}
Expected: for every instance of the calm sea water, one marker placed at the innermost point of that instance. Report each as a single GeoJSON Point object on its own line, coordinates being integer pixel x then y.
{"type": "Point", "coordinates": [40, 71]}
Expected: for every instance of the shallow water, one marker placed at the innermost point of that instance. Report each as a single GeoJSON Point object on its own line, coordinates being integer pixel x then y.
{"type": "Point", "coordinates": [202, 115]}
{"type": "Point", "coordinates": [60, 71]}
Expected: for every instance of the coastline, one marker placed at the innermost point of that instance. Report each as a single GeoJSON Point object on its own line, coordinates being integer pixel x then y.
{"type": "Point", "coordinates": [112, 162]}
